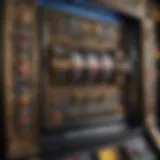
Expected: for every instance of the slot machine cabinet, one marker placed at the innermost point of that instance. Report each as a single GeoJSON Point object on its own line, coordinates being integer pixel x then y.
{"type": "Point", "coordinates": [72, 92]}
{"type": "Point", "coordinates": [53, 82]}
{"type": "Point", "coordinates": [20, 77]}
{"type": "Point", "coordinates": [141, 47]}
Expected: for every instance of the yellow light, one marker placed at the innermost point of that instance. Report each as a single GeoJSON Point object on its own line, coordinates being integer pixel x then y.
{"type": "Point", "coordinates": [108, 154]}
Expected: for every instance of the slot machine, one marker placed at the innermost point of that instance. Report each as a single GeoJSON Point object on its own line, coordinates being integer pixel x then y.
{"type": "Point", "coordinates": [72, 81]}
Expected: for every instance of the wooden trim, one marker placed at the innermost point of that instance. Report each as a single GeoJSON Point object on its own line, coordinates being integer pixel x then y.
{"type": "Point", "coordinates": [17, 146]}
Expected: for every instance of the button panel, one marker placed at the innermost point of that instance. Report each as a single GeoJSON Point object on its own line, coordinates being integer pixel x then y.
{"type": "Point", "coordinates": [68, 107]}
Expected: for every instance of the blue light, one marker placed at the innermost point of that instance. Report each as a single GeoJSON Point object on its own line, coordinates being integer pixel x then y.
{"type": "Point", "coordinates": [89, 10]}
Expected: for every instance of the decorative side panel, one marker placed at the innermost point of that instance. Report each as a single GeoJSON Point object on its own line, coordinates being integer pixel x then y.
{"type": "Point", "coordinates": [20, 77]}
{"type": "Point", "coordinates": [149, 68]}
